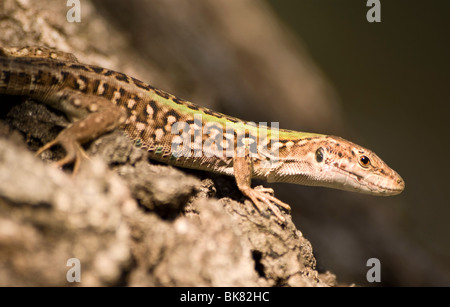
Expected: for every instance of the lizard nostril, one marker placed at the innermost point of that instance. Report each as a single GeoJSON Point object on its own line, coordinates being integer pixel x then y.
{"type": "Point", "coordinates": [401, 183]}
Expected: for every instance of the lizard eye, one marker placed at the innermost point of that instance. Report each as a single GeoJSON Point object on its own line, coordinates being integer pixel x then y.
{"type": "Point", "coordinates": [319, 154]}
{"type": "Point", "coordinates": [364, 161]}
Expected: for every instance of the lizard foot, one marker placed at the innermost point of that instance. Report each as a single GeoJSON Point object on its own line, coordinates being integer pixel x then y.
{"type": "Point", "coordinates": [74, 151]}
{"type": "Point", "coordinates": [263, 198]}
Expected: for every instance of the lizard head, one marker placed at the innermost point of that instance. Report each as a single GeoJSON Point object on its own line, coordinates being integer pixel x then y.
{"type": "Point", "coordinates": [337, 163]}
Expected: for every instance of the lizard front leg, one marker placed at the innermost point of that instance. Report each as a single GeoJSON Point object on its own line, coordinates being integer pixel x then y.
{"type": "Point", "coordinates": [92, 116]}
{"type": "Point", "coordinates": [260, 196]}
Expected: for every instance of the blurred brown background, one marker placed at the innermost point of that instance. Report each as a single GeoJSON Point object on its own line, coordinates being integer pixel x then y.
{"type": "Point", "coordinates": [393, 82]}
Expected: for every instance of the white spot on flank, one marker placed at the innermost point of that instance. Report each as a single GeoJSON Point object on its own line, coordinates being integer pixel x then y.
{"type": "Point", "coordinates": [171, 119]}
{"type": "Point", "coordinates": [289, 144]}
{"type": "Point", "coordinates": [159, 133]}
{"type": "Point", "coordinates": [116, 95]}
{"type": "Point", "coordinates": [302, 142]}
{"type": "Point", "coordinates": [140, 126]}
{"type": "Point", "coordinates": [131, 103]}
{"type": "Point", "coordinates": [131, 119]}
{"type": "Point", "coordinates": [150, 110]}
{"type": "Point", "coordinates": [81, 84]}
{"type": "Point", "coordinates": [276, 145]}
{"type": "Point", "coordinates": [100, 89]}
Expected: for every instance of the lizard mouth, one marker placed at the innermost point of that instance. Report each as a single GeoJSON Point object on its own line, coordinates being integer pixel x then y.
{"type": "Point", "coordinates": [361, 184]}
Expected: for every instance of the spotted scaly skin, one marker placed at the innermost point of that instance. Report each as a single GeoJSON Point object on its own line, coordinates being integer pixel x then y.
{"type": "Point", "coordinates": [98, 100]}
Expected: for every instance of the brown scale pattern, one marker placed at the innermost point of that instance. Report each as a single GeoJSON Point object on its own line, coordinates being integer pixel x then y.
{"type": "Point", "coordinates": [88, 79]}
{"type": "Point", "coordinates": [99, 100]}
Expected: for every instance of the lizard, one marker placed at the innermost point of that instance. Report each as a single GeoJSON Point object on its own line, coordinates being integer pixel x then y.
{"type": "Point", "coordinates": [97, 100]}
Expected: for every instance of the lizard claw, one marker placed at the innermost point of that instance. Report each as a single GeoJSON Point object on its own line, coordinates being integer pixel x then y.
{"type": "Point", "coordinates": [74, 152]}
{"type": "Point", "coordinates": [262, 199]}
{"type": "Point", "coordinates": [265, 190]}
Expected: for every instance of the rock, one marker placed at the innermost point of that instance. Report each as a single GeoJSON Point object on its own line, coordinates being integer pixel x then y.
{"type": "Point", "coordinates": [134, 223]}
